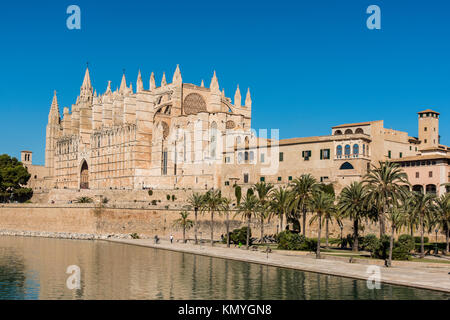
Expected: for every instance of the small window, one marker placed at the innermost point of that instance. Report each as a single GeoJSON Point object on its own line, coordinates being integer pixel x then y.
{"type": "Point", "coordinates": [425, 129]}
{"type": "Point", "coordinates": [279, 179]}
{"type": "Point", "coordinates": [417, 175]}
{"type": "Point", "coordinates": [245, 177]}
{"type": "Point", "coordinates": [290, 178]}
{"type": "Point", "coordinates": [227, 183]}
{"type": "Point", "coordinates": [430, 174]}
{"type": "Point", "coordinates": [426, 140]}
{"type": "Point", "coordinates": [262, 179]}
{"type": "Point", "coordinates": [324, 154]}
{"type": "Point", "coordinates": [262, 157]}
{"type": "Point", "coordinates": [401, 154]}
{"type": "Point", "coordinates": [410, 148]}
{"type": "Point", "coordinates": [346, 166]}
{"type": "Point", "coordinates": [306, 154]}
{"type": "Point", "coordinates": [389, 154]}
{"type": "Point", "coordinates": [322, 179]}
{"type": "Point", "coordinates": [281, 156]}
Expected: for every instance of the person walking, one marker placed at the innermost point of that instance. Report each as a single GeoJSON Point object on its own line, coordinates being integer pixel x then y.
{"type": "Point", "coordinates": [171, 238]}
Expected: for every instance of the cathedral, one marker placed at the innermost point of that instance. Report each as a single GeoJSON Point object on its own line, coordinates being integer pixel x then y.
{"type": "Point", "coordinates": [168, 136]}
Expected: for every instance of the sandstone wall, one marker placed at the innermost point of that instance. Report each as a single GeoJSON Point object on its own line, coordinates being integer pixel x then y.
{"type": "Point", "coordinates": [86, 218]}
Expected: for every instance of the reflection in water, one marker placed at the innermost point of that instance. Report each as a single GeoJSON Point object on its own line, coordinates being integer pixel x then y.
{"type": "Point", "coordinates": [35, 268]}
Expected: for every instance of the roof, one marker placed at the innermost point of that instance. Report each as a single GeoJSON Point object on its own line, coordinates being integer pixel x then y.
{"type": "Point", "coordinates": [428, 111]}
{"type": "Point", "coordinates": [422, 157]}
{"type": "Point", "coordinates": [355, 124]}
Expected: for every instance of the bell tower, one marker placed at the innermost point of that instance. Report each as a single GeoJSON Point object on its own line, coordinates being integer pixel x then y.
{"type": "Point", "coordinates": [429, 129]}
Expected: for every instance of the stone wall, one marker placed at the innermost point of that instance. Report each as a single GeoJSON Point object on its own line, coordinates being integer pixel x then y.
{"type": "Point", "coordinates": [89, 219]}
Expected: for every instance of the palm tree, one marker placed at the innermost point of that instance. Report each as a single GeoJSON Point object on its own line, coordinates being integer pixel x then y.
{"type": "Point", "coordinates": [196, 201]}
{"type": "Point", "coordinates": [321, 203]}
{"type": "Point", "coordinates": [397, 219]}
{"type": "Point", "coordinates": [386, 187]}
{"type": "Point", "coordinates": [408, 207]}
{"type": "Point", "coordinates": [303, 188]}
{"type": "Point", "coordinates": [424, 206]}
{"type": "Point", "coordinates": [263, 191]}
{"type": "Point", "coordinates": [247, 209]}
{"type": "Point", "coordinates": [212, 203]}
{"type": "Point", "coordinates": [184, 223]}
{"type": "Point", "coordinates": [226, 207]}
{"type": "Point", "coordinates": [84, 200]}
{"type": "Point", "coordinates": [352, 204]}
{"type": "Point", "coordinates": [280, 204]}
{"type": "Point", "coordinates": [329, 216]}
{"type": "Point", "coordinates": [442, 216]}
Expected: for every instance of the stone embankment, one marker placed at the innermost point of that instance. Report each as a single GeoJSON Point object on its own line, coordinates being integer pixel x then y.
{"type": "Point", "coordinates": [64, 235]}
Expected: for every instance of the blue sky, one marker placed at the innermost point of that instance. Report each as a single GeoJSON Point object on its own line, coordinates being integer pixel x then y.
{"type": "Point", "coordinates": [309, 64]}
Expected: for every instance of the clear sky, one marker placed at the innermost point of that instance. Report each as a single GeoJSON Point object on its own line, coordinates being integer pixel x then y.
{"type": "Point", "coordinates": [309, 64]}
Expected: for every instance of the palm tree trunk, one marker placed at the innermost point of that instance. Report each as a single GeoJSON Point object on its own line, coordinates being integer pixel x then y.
{"type": "Point", "coordinates": [228, 229]}
{"type": "Point", "coordinates": [195, 225]}
{"type": "Point", "coordinates": [327, 233]}
{"type": "Point", "coordinates": [318, 238]}
{"type": "Point", "coordinates": [248, 231]}
{"type": "Point", "coordinates": [355, 235]}
{"type": "Point", "coordinates": [412, 230]}
{"type": "Point", "coordinates": [212, 228]}
{"type": "Point", "coordinates": [447, 236]}
{"type": "Point", "coordinates": [381, 218]}
{"type": "Point", "coordinates": [422, 231]}
{"type": "Point", "coordinates": [281, 222]}
{"type": "Point", "coordinates": [262, 228]}
{"type": "Point", "coordinates": [304, 221]}
{"type": "Point", "coordinates": [391, 246]}
{"type": "Point", "coordinates": [184, 234]}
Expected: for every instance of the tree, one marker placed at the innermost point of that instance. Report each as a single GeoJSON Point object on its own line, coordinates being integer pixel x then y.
{"type": "Point", "coordinates": [13, 177]}
{"type": "Point", "coordinates": [320, 204]}
{"type": "Point", "coordinates": [412, 217]}
{"type": "Point", "coordinates": [247, 209]}
{"type": "Point", "coordinates": [263, 191]}
{"type": "Point", "coordinates": [212, 202]}
{"type": "Point", "coordinates": [84, 200]}
{"type": "Point", "coordinates": [280, 204]}
{"type": "Point", "coordinates": [226, 207]}
{"type": "Point", "coordinates": [385, 185]}
{"type": "Point", "coordinates": [237, 194]}
{"type": "Point", "coordinates": [442, 217]}
{"type": "Point", "coordinates": [397, 219]}
{"type": "Point", "coordinates": [303, 189]}
{"type": "Point", "coordinates": [184, 223]}
{"type": "Point", "coordinates": [196, 201]}
{"type": "Point", "coordinates": [352, 205]}
{"type": "Point", "coordinates": [424, 206]}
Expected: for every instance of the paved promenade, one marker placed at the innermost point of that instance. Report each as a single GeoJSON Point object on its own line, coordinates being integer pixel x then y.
{"type": "Point", "coordinates": [415, 274]}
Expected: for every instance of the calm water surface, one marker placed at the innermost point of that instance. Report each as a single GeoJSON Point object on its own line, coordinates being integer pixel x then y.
{"type": "Point", "coordinates": [35, 268]}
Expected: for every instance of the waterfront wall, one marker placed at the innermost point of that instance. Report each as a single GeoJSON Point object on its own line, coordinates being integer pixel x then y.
{"type": "Point", "coordinates": [147, 222]}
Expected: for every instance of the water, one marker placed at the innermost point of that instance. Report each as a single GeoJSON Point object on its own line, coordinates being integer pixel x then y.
{"type": "Point", "coordinates": [35, 268]}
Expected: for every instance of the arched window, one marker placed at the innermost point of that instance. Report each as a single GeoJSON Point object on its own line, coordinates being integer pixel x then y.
{"type": "Point", "coordinates": [347, 150]}
{"type": "Point", "coordinates": [339, 151]}
{"type": "Point", "coordinates": [337, 132]}
{"type": "Point", "coordinates": [355, 150]}
{"type": "Point", "coordinates": [346, 166]}
{"type": "Point", "coordinates": [431, 188]}
{"type": "Point", "coordinates": [348, 131]}
{"type": "Point", "coordinates": [359, 130]}
{"type": "Point", "coordinates": [164, 162]}
{"type": "Point", "coordinates": [247, 143]}
{"type": "Point", "coordinates": [213, 142]}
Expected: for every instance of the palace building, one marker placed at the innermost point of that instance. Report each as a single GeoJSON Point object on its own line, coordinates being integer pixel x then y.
{"type": "Point", "coordinates": [186, 136]}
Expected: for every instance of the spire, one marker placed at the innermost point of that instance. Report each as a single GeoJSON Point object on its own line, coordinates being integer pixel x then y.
{"type": "Point", "coordinates": [248, 99]}
{"type": "Point", "coordinates": [223, 92]}
{"type": "Point", "coordinates": [237, 97]}
{"type": "Point", "coordinates": [139, 83]}
{"type": "Point", "coordinates": [152, 81]}
{"type": "Point", "coordinates": [177, 75]}
{"type": "Point", "coordinates": [163, 80]}
{"type": "Point", "coordinates": [214, 82]}
{"type": "Point", "coordinates": [87, 80]}
{"type": "Point", "coordinates": [53, 116]}
{"type": "Point", "coordinates": [131, 88]}
{"type": "Point", "coordinates": [108, 88]}
{"type": "Point", "coordinates": [202, 84]}
{"type": "Point", "coordinates": [123, 84]}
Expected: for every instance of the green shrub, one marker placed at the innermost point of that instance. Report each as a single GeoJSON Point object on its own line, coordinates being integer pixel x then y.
{"type": "Point", "coordinates": [239, 236]}
{"type": "Point", "coordinates": [134, 236]}
{"type": "Point", "coordinates": [154, 202]}
{"type": "Point", "coordinates": [370, 243]}
{"type": "Point", "coordinates": [417, 239]}
{"type": "Point", "coordinates": [168, 197]}
{"type": "Point", "coordinates": [288, 240]}
{"type": "Point", "coordinates": [174, 198]}
{"type": "Point", "coordinates": [150, 192]}
{"type": "Point", "coordinates": [84, 200]}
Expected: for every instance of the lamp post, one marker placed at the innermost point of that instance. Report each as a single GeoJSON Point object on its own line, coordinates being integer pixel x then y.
{"type": "Point", "coordinates": [436, 245]}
